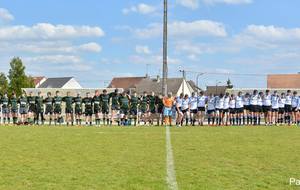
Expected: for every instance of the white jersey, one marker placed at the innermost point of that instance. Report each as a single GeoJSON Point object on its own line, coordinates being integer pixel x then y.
{"type": "Point", "coordinates": [219, 102]}
{"type": "Point", "coordinates": [179, 101]}
{"type": "Point", "coordinates": [226, 102]}
{"type": "Point", "coordinates": [185, 104]}
{"type": "Point", "coordinates": [260, 101]}
{"type": "Point", "coordinates": [201, 101]}
{"type": "Point", "coordinates": [288, 99]}
{"type": "Point", "coordinates": [253, 99]}
{"type": "Point", "coordinates": [267, 100]}
{"type": "Point", "coordinates": [295, 101]}
{"type": "Point", "coordinates": [210, 103]}
{"type": "Point", "coordinates": [281, 103]}
{"type": "Point", "coordinates": [246, 101]}
{"type": "Point", "coordinates": [275, 101]}
{"type": "Point", "coordinates": [232, 104]}
{"type": "Point", "coordinates": [193, 102]}
{"type": "Point", "coordinates": [239, 101]}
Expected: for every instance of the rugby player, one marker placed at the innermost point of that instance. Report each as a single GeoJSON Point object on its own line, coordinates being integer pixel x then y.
{"type": "Point", "coordinates": [281, 106]}
{"type": "Point", "coordinates": [226, 108]}
{"type": "Point", "coordinates": [193, 108]}
{"type": "Point", "coordinates": [185, 109]}
{"type": "Point", "coordinates": [69, 107]}
{"type": "Point", "coordinates": [31, 109]}
{"type": "Point", "coordinates": [253, 107]}
{"type": "Point", "coordinates": [152, 107]}
{"type": "Point", "coordinates": [160, 108]}
{"type": "Point", "coordinates": [275, 107]}
{"type": "Point", "coordinates": [168, 102]}
{"type": "Point", "coordinates": [14, 107]}
{"type": "Point", "coordinates": [115, 105]}
{"type": "Point", "coordinates": [178, 109]}
{"type": "Point", "coordinates": [39, 105]}
{"type": "Point", "coordinates": [49, 107]}
{"type": "Point", "coordinates": [211, 102]}
{"type": "Point", "coordinates": [57, 100]}
{"type": "Point", "coordinates": [134, 101]}
{"type": "Point", "coordinates": [239, 105]}
{"type": "Point", "coordinates": [219, 108]}
{"type": "Point", "coordinates": [267, 106]}
{"type": "Point", "coordinates": [88, 109]}
{"type": "Point", "coordinates": [201, 108]}
{"type": "Point", "coordinates": [5, 108]}
{"type": "Point", "coordinates": [97, 107]}
{"type": "Point", "coordinates": [105, 99]}
{"type": "Point", "coordinates": [295, 102]}
{"type": "Point", "coordinates": [288, 107]}
{"type": "Point", "coordinates": [144, 107]}
{"type": "Point", "coordinates": [124, 108]}
{"type": "Point", "coordinates": [246, 104]}
{"type": "Point", "coordinates": [232, 110]}
{"type": "Point", "coordinates": [259, 106]}
{"type": "Point", "coordinates": [78, 108]}
{"type": "Point", "coordinates": [23, 107]}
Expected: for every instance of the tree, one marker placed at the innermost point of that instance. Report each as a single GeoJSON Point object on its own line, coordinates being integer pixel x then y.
{"type": "Point", "coordinates": [17, 76]}
{"type": "Point", "coordinates": [3, 83]}
{"type": "Point", "coordinates": [229, 85]}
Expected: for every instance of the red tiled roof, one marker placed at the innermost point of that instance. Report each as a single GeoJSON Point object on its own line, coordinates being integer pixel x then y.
{"type": "Point", "coordinates": [36, 79]}
{"type": "Point", "coordinates": [286, 81]}
{"type": "Point", "coordinates": [125, 82]}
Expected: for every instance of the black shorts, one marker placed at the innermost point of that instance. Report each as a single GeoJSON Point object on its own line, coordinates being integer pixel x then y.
{"type": "Point", "coordinates": [288, 108]}
{"type": "Point", "coordinates": [195, 111]}
{"type": "Point", "coordinates": [143, 110]}
{"type": "Point", "coordinates": [57, 111]}
{"type": "Point", "coordinates": [220, 110]}
{"type": "Point", "coordinates": [49, 110]}
{"type": "Point", "coordinates": [39, 110]}
{"type": "Point", "coordinates": [201, 108]}
{"type": "Point", "coordinates": [124, 111]}
{"type": "Point", "coordinates": [31, 109]}
{"type": "Point", "coordinates": [69, 110]}
{"type": "Point", "coordinates": [152, 110]}
{"type": "Point", "coordinates": [133, 111]}
{"type": "Point", "coordinates": [281, 111]}
{"type": "Point", "coordinates": [78, 111]}
{"type": "Point", "coordinates": [97, 110]}
{"type": "Point", "coordinates": [184, 111]}
{"type": "Point", "coordinates": [160, 109]}
{"type": "Point", "coordinates": [232, 110]}
{"type": "Point", "coordinates": [253, 108]}
{"type": "Point", "coordinates": [88, 112]}
{"type": "Point", "coordinates": [14, 110]}
{"type": "Point", "coordinates": [105, 110]}
{"type": "Point", "coordinates": [179, 108]}
{"type": "Point", "coordinates": [246, 107]}
{"type": "Point", "coordinates": [293, 109]}
{"type": "Point", "coordinates": [239, 110]}
{"type": "Point", "coordinates": [267, 108]}
{"type": "Point", "coordinates": [115, 107]}
{"type": "Point", "coordinates": [210, 111]}
{"type": "Point", "coordinates": [260, 109]}
{"type": "Point", "coordinates": [225, 110]}
{"type": "Point", "coordinates": [275, 110]}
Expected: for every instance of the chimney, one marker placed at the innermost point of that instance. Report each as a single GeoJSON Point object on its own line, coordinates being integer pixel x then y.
{"type": "Point", "coordinates": [158, 79]}
{"type": "Point", "coordinates": [147, 75]}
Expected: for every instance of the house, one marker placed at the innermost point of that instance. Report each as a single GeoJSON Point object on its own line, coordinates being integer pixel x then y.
{"type": "Point", "coordinates": [129, 84]}
{"type": "Point", "coordinates": [194, 87]}
{"type": "Point", "coordinates": [216, 90]}
{"type": "Point", "coordinates": [284, 81]}
{"type": "Point", "coordinates": [174, 85]}
{"type": "Point", "coordinates": [37, 80]}
{"type": "Point", "coordinates": [63, 82]}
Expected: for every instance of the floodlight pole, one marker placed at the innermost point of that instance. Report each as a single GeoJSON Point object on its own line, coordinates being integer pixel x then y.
{"type": "Point", "coordinates": [165, 64]}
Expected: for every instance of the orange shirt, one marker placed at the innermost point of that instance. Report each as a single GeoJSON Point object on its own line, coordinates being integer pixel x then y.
{"type": "Point", "coordinates": [168, 101]}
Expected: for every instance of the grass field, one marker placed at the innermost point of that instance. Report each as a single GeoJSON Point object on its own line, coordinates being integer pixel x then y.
{"type": "Point", "coordinates": [248, 157]}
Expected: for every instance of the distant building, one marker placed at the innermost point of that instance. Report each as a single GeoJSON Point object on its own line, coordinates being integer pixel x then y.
{"type": "Point", "coordinates": [284, 81]}
{"type": "Point", "coordinates": [216, 90]}
{"type": "Point", "coordinates": [63, 82]}
{"type": "Point", "coordinates": [194, 87]}
{"type": "Point", "coordinates": [129, 84]}
{"type": "Point", "coordinates": [37, 80]}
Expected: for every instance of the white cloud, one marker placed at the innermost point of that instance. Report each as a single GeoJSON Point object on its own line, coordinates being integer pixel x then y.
{"type": "Point", "coordinates": [183, 30]}
{"type": "Point", "coordinates": [193, 57]}
{"type": "Point", "coordinates": [227, 1]}
{"type": "Point", "coordinates": [194, 4]}
{"type": "Point", "coordinates": [141, 9]}
{"type": "Point", "coordinates": [142, 50]}
{"type": "Point", "coordinates": [154, 59]}
{"type": "Point", "coordinates": [5, 16]}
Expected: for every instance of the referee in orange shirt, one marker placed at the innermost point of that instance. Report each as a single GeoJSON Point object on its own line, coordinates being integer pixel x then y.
{"type": "Point", "coordinates": [168, 106]}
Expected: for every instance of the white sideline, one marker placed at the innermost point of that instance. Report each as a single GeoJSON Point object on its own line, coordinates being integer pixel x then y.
{"type": "Point", "coordinates": [171, 177]}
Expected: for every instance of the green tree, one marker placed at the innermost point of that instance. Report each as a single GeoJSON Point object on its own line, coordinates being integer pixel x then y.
{"type": "Point", "coordinates": [229, 85]}
{"type": "Point", "coordinates": [31, 82]}
{"type": "Point", "coordinates": [3, 83]}
{"type": "Point", "coordinates": [17, 76]}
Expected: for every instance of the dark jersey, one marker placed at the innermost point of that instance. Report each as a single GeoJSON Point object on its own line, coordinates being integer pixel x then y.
{"type": "Point", "coordinates": [134, 102]}
{"type": "Point", "coordinates": [88, 103]}
{"type": "Point", "coordinates": [14, 103]}
{"type": "Point", "coordinates": [152, 101]}
{"type": "Point", "coordinates": [115, 98]}
{"type": "Point", "coordinates": [144, 102]}
{"type": "Point", "coordinates": [104, 100]}
{"type": "Point", "coordinates": [69, 102]}
{"type": "Point", "coordinates": [31, 100]}
{"type": "Point", "coordinates": [39, 102]}
{"type": "Point", "coordinates": [48, 102]}
{"type": "Point", "coordinates": [159, 102]}
{"type": "Point", "coordinates": [97, 102]}
{"type": "Point", "coordinates": [5, 102]}
{"type": "Point", "coordinates": [23, 102]}
{"type": "Point", "coordinates": [124, 102]}
{"type": "Point", "coordinates": [57, 102]}
{"type": "Point", "coordinates": [78, 103]}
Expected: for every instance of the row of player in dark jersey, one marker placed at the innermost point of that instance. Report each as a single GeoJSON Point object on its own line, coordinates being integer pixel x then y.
{"type": "Point", "coordinates": [123, 105]}
{"type": "Point", "coordinates": [235, 108]}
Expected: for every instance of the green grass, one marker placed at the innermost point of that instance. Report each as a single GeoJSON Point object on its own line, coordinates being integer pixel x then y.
{"type": "Point", "coordinates": [248, 157]}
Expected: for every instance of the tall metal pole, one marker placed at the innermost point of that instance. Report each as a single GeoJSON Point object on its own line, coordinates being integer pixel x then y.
{"type": "Point", "coordinates": [183, 81]}
{"type": "Point", "coordinates": [165, 64]}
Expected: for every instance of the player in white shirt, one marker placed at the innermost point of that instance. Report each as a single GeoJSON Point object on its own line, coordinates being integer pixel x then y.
{"type": "Point", "coordinates": [246, 103]}
{"type": "Point", "coordinates": [211, 101]}
{"type": "Point", "coordinates": [185, 109]}
{"type": "Point", "coordinates": [226, 108]}
{"type": "Point", "coordinates": [193, 108]}
{"type": "Point", "coordinates": [253, 107]}
{"type": "Point", "coordinates": [201, 107]}
{"type": "Point", "coordinates": [267, 106]}
{"type": "Point", "coordinates": [288, 108]}
{"type": "Point", "coordinates": [219, 108]}
{"type": "Point", "coordinates": [260, 106]}
{"type": "Point", "coordinates": [275, 107]}
{"type": "Point", "coordinates": [178, 109]}
{"type": "Point", "coordinates": [281, 106]}
{"type": "Point", "coordinates": [232, 109]}
{"type": "Point", "coordinates": [239, 105]}
{"type": "Point", "coordinates": [295, 102]}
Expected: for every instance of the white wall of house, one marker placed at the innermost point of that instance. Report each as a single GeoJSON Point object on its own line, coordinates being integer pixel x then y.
{"type": "Point", "coordinates": [41, 82]}
{"type": "Point", "coordinates": [186, 89]}
{"type": "Point", "coordinates": [72, 84]}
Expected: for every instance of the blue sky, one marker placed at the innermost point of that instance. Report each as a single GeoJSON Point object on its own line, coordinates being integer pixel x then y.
{"type": "Point", "coordinates": [95, 41]}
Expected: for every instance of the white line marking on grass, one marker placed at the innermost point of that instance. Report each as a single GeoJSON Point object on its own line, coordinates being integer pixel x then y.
{"type": "Point", "coordinates": [171, 177]}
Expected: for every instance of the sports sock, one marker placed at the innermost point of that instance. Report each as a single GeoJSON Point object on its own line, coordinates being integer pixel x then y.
{"type": "Point", "coordinates": [79, 121]}
{"type": "Point", "coordinates": [259, 120]}
{"type": "Point", "coordinates": [4, 120]}
{"type": "Point", "coordinates": [28, 119]}
{"type": "Point", "coordinates": [213, 120]}
{"type": "Point", "coordinates": [8, 120]}
{"type": "Point", "coordinates": [244, 118]}
{"type": "Point", "coordinates": [107, 120]}
{"type": "Point", "coordinates": [208, 121]}
{"type": "Point", "coordinates": [55, 121]}
{"type": "Point", "coordinates": [248, 117]}
{"type": "Point", "coordinates": [166, 120]}
{"type": "Point", "coordinates": [230, 120]}
{"type": "Point", "coordinates": [240, 120]}
{"type": "Point", "coordinates": [170, 120]}
{"type": "Point", "coordinates": [187, 121]}
{"type": "Point", "coordinates": [233, 121]}
{"type": "Point", "coordinates": [251, 120]}
{"type": "Point", "coordinates": [126, 122]}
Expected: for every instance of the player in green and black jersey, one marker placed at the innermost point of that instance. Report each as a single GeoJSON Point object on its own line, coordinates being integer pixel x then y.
{"type": "Point", "coordinates": [78, 108]}
{"type": "Point", "coordinates": [5, 108]}
{"type": "Point", "coordinates": [144, 106]}
{"type": "Point", "coordinates": [23, 107]}
{"type": "Point", "coordinates": [152, 107]}
{"type": "Point", "coordinates": [49, 107]}
{"type": "Point", "coordinates": [39, 104]}
{"type": "Point", "coordinates": [104, 99]}
{"type": "Point", "coordinates": [160, 107]}
{"type": "Point", "coordinates": [97, 107]}
{"type": "Point", "coordinates": [88, 109]}
{"type": "Point", "coordinates": [134, 101]}
{"type": "Point", "coordinates": [69, 107]}
{"type": "Point", "coordinates": [115, 105]}
{"type": "Point", "coordinates": [124, 108]}
{"type": "Point", "coordinates": [31, 101]}
{"type": "Point", "coordinates": [14, 107]}
{"type": "Point", "coordinates": [57, 101]}
{"type": "Point", "coordinates": [0, 108]}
